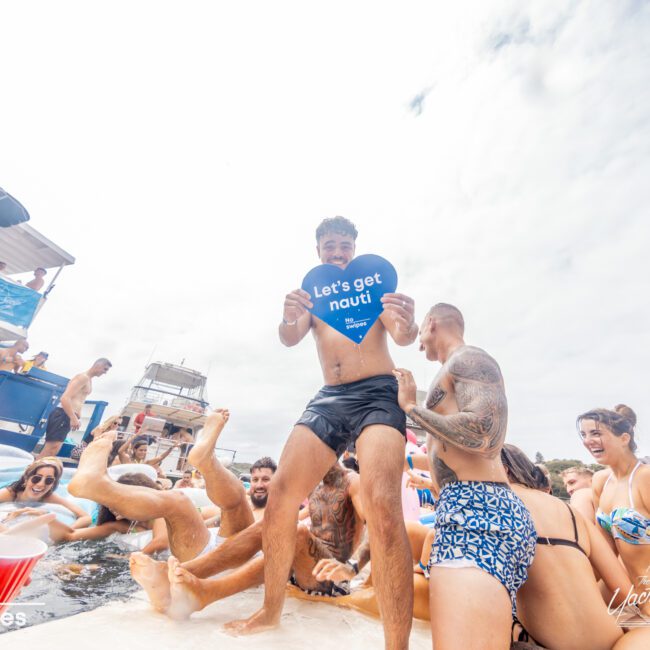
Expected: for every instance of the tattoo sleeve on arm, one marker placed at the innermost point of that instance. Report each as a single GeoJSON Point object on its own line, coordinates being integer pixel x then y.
{"type": "Point", "coordinates": [480, 425]}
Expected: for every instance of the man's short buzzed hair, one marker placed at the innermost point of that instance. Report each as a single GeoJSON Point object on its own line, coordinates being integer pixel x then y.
{"type": "Point", "coordinates": [580, 471]}
{"type": "Point", "coordinates": [103, 360]}
{"type": "Point", "coordinates": [264, 463]}
{"type": "Point", "coordinates": [339, 225]}
{"type": "Point", "coordinates": [448, 314]}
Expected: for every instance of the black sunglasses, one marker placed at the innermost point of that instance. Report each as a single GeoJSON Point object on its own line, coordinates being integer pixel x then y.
{"type": "Point", "coordinates": [36, 479]}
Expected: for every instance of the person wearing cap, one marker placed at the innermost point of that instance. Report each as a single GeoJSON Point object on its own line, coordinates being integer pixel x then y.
{"type": "Point", "coordinates": [37, 283]}
{"type": "Point", "coordinates": [35, 362]}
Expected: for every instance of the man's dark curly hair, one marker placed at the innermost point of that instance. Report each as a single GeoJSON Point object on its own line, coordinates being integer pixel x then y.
{"type": "Point", "coordinates": [339, 225]}
{"type": "Point", "coordinates": [264, 463]}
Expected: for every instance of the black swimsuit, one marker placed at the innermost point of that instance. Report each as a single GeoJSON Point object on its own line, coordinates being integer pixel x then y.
{"type": "Point", "coordinates": [552, 541]}
{"type": "Point", "coordinates": [558, 541]}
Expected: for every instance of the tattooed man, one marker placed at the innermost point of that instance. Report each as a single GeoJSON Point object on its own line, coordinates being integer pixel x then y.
{"type": "Point", "coordinates": [358, 403]}
{"type": "Point", "coordinates": [483, 531]}
{"type": "Point", "coordinates": [337, 528]}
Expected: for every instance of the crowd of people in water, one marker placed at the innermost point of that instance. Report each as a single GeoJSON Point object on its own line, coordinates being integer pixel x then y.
{"type": "Point", "coordinates": [496, 561]}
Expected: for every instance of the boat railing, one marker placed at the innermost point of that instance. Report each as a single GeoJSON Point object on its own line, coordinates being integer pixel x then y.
{"type": "Point", "coordinates": [26, 402]}
{"type": "Point", "coordinates": [158, 397]}
{"type": "Point", "coordinates": [176, 462]}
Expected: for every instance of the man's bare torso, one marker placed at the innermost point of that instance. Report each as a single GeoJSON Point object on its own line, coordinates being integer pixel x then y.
{"type": "Point", "coordinates": [334, 520]}
{"type": "Point", "coordinates": [450, 463]}
{"type": "Point", "coordinates": [343, 361]}
{"type": "Point", "coordinates": [79, 395]}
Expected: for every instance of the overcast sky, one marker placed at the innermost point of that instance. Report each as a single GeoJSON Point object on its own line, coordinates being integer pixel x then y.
{"type": "Point", "coordinates": [498, 154]}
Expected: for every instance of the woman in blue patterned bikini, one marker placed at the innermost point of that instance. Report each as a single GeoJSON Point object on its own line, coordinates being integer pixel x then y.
{"type": "Point", "coordinates": [621, 492]}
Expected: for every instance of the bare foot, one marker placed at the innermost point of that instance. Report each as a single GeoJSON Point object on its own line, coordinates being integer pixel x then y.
{"type": "Point", "coordinates": [152, 577]}
{"type": "Point", "coordinates": [92, 467]}
{"type": "Point", "coordinates": [258, 622]}
{"type": "Point", "coordinates": [203, 450]}
{"type": "Point", "coordinates": [186, 591]}
{"type": "Point", "coordinates": [105, 434]}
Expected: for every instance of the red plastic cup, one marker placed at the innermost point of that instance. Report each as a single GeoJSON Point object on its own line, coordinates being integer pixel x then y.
{"type": "Point", "coordinates": [18, 556]}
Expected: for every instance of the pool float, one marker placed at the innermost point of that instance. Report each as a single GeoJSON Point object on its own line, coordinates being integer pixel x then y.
{"type": "Point", "coordinates": [132, 468]}
{"type": "Point", "coordinates": [410, 501]}
{"type": "Point", "coordinates": [14, 458]}
{"type": "Point", "coordinates": [62, 513]}
{"type": "Point", "coordinates": [428, 520]}
{"type": "Point", "coordinates": [131, 541]}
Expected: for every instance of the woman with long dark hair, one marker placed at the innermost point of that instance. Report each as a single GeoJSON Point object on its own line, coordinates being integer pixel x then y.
{"type": "Point", "coordinates": [621, 492]}
{"type": "Point", "coordinates": [38, 484]}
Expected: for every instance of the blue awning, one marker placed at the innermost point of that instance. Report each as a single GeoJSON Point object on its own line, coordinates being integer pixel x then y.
{"type": "Point", "coordinates": [11, 211]}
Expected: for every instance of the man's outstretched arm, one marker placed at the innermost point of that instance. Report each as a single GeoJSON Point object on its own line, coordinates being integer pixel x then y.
{"type": "Point", "coordinates": [480, 425]}
{"type": "Point", "coordinates": [296, 320]}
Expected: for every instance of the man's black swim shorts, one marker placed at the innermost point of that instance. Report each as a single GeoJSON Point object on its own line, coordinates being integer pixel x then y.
{"type": "Point", "coordinates": [58, 426]}
{"type": "Point", "coordinates": [338, 414]}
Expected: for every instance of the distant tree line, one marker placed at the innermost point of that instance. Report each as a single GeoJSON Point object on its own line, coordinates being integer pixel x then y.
{"type": "Point", "coordinates": [557, 466]}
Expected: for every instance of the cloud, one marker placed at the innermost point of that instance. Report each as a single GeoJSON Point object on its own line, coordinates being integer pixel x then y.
{"type": "Point", "coordinates": [188, 180]}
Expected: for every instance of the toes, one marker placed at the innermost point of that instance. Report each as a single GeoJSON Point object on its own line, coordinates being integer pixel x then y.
{"type": "Point", "coordinates": [172, 566]}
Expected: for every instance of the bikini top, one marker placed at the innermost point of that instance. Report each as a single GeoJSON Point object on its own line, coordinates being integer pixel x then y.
{"type": "Point", "coordinates": [559, 541]}
{"type": "Point", "coordinates": [623, 523]}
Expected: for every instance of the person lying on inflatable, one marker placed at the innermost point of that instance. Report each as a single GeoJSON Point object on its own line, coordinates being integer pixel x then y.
{"type": "Point", "coordinates": [38, 485]}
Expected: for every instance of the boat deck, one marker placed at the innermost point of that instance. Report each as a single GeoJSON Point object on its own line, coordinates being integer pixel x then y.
{"type": "Point", "coordinates": [133, 624]}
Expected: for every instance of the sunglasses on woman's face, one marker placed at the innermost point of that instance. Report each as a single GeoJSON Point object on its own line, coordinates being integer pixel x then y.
{"type": "Point", "coordinates": [35, 479]}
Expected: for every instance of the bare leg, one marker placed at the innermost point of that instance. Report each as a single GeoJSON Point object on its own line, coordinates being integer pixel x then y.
{"type": "Point", "coordinates": [380, 451]}
{"type": "Point", "coordinates": [49, 449]}
{"type": "Point", "coordinates": [469, 609]}
{"type": "Point", "coordinates": [305, 460]}
{"type": "Point", "coordinates": [223, 487]}
{"type": "Point", "coordinates": [152, 577]}
{"type": "Point", "coordinates": [191, 594]}
{"type": "Point", "coordinates": [230, 554]}
{"type": "Point", "coordinates": [417, 533]}
{"type": "Point", "coordinates": [187, 532]}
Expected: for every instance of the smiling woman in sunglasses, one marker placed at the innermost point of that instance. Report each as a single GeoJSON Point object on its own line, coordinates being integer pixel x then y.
{"type": "Point", "coordinates": [38, 484]}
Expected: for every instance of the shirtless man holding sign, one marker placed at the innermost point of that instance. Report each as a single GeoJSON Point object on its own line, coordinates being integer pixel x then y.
{"type": "Point", "coordinates": [483, 530]}
{"type": "Point", "coordinates": [358, 402]}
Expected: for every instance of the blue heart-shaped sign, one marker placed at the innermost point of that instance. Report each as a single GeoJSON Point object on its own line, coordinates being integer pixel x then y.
{"type": "Point", "coordinates": [350, 300]}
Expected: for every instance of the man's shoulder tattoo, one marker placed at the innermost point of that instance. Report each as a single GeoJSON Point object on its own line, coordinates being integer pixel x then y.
{"type": "Point", "coordinates": [474, 364]}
